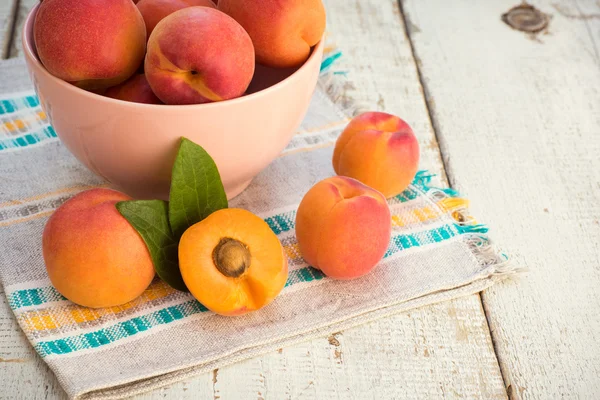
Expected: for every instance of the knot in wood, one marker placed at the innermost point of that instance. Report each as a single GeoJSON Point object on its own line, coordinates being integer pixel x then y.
{"type": "Point", "coordinates": [526, 18]}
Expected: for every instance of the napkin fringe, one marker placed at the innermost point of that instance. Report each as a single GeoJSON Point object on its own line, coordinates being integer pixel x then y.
{"type": "Point", "coordinates": [492, 260]}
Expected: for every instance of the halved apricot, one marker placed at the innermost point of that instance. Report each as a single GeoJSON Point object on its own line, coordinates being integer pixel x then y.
{"type": "Point", "coordinates": [232, 262]}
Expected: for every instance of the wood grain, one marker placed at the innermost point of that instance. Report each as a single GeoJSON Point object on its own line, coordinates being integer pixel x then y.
{"type": "Point", "coordinates": [443, 350]}
{"type": "Point", "coordinates": [518, 117]}
{"type": "Point", "coordinates": [15, 50]}
{"type": "Point", "coordinates": [7, 21]}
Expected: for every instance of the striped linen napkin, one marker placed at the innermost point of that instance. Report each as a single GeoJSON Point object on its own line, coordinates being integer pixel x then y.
{"type": "Point", "coordinates": [437, 252]}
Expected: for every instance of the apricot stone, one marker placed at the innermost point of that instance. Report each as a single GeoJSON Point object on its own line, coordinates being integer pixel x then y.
{"type": "Point", "coordinates": [199, 55]}
{"type": "Point", "coordinates": [136, 89]}
{"type": "Point", "coordinates": [232, 262]}
{"type": "Point", "coordinates": [94, 44]}
{"type": "Point", "coordinates": [380, 150]}
{"type": "Point", "coordinates": [154, 11]}
{"type": "Point", "coordinates": [343, 227]}
{"type": "Point", "coordinates": [283, 32]}
{"type": "Point", "coordinates": [93, 256]}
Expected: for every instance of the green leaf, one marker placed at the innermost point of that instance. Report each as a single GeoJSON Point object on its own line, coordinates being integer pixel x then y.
{"type": "Point", "coordinates": [196, 187]}
{"type": "Point", "coordinates": [196, 192]}
{"type": "Point", "coordinates": [151, 219]}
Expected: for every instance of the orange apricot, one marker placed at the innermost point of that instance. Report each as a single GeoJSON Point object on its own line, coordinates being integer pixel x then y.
{"type": "Point", "coordinates": [343, 227]}
{"type": "Point", "coordinates": [380, 150]}
{"type": "Point", "coordinates": [199, 55]}
{"type": "Point", "coordinates": [94, 44]}
{"type": "Point", "coordinates": [154, 11]}
{"type": "Point", "coordinates": [232, 262]}
{"type": "Point", "coordinates": [93, 256]}
{"type": "Point", "coordinates": [135, 89]}
{"type": "Point", "coordinates": [283, 32]}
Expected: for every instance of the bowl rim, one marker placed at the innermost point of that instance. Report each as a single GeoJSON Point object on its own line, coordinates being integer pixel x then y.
{"type": "Point", "coordinates": [31, 55]}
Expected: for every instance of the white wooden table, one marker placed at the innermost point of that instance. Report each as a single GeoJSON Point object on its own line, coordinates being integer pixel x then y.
{"type": "Point", "coordinates": [510, 119]}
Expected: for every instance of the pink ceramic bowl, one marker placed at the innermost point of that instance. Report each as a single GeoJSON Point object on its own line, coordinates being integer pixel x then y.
{"type": "Point", "coordinates": [133, 145]}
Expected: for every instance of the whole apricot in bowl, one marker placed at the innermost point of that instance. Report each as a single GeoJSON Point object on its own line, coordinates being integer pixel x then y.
{"type": "Point", "coordinates": [93, 44]}
{"type": "Point", "coordinates": [154, 11]}
{"type": "Point", "coordinates": [199, 55]}
{"type": "Point", "coordinates": [283, 32]}
{"type": "Point", "coordinates": [136, 89]}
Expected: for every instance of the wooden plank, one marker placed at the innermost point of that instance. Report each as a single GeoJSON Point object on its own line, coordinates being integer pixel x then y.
{"type": "Point", "coordinates": [442, 350]}
{"type": "Point", "coordinates": [15, 49]}
{"type": "Point", "coordinates": [7, 10]}
{"type": "Point", "coordinates": [518, 119]}
{"type": "Point", "coordinates": [433, 352]}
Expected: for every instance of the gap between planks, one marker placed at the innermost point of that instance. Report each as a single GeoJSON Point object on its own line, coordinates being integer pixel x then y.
{"type": "Point", "coordinates": [443, 152]}
{"type": "Point", "coordinates": [9, 35]}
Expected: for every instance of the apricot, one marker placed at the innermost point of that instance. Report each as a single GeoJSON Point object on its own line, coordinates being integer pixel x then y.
{"type": "Point", "coordinates": [199, 55]}
{"type": "Point", "coordinates": [343, 227]}
{"type": "Point", "coordinates": [94, 44]}
{"type": "Point", "coordinates": [283, 32]}
{"type": "Point", "coordinates": [93, 256]}
{"type": "Point", "coordinates": [155, 10]}
{"type": "Point", "coordinates": [232, 262]}
{"type": "Point", "coordinates": [380, 150]}
{"type": "Point", "coordinates": [135, 89]}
